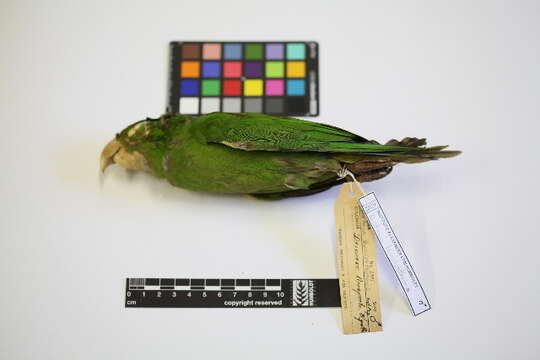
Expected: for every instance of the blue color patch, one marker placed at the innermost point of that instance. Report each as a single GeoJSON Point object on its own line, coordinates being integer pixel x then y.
{"type": "Point", "coordinates": [189, 87]}
{"type": "Point", "coordinates": [296, 51]}
{"type": "Point", "coordinates": [232, 51]}
{"type": "Point", "coordinates": [211, 69]}
{"type": "Point", "coordinates": [296, 87]}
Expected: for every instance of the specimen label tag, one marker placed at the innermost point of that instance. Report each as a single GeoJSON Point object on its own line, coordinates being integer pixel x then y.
{"type": "Point", "coordinates": [395, 254]}
{"type": "Point", "coordinates": [357, 264]}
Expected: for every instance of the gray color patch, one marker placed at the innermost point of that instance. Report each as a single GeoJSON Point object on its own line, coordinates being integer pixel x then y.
{"type": "Point", "coordinates": [232, 105]}
{"type": "Point", "coordinates": [274, 106]}
{"type": "Point", "coordinates": [253, 105]}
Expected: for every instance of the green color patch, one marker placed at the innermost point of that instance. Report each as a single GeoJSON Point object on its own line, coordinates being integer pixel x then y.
{"type": "Point", "coordinates": [275, 69]}
{"type": "Point", "coordinates": [211, 87]}
{"type": "Point", "coordinates": [253, 52]}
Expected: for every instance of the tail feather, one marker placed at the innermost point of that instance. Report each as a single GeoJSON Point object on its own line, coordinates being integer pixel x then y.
{"type": "Point", "coordinates": [409, 150]}
{"type": "Point", "coordinates": [408, 141]}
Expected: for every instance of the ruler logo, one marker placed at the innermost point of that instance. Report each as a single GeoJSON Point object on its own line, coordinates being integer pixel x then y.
{"type": "Point", "coordinates": [303, 293]}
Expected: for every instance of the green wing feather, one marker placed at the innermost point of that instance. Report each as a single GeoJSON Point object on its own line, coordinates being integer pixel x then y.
{"type": "Point", "coordinates": [259, 132]}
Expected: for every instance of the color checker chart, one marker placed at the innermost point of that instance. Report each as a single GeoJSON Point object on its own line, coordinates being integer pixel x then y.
{"type": "Point", "coordinates": [279, 78]}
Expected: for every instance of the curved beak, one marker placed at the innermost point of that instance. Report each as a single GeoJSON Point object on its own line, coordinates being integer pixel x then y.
{"type": "Point", "coordinates": [114, 153]}
{"type": "Point", "coordinates": [107, 155]}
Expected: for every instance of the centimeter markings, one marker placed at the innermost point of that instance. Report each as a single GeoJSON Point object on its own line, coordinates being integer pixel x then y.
{"type": "Point", "coordinates": [396, 255]}
{"type": "Point", "coordinates": [204, 284]}
{"type": "Point", "coordinates": [168, 292]}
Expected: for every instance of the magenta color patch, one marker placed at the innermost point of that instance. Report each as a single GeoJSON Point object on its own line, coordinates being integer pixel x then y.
{"type": "Point", "coordinates": [274, 87]}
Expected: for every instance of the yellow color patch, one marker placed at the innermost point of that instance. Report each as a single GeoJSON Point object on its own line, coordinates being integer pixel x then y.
{"type": "Point", "coordinates": [253, 88]}
{"type": "Point", "coordinates": [190, 69]}
{"type": "Point", "coordinates": [296, 69]}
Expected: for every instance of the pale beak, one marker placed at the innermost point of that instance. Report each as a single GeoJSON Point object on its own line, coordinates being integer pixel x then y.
{"type": "Point", "coordinates": [114, 153]}
{"type": "Point", "coordinates": [107, 155]}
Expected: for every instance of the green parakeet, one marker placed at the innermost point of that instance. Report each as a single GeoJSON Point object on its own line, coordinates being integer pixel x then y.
{"type": "Point", "coordinates": [264, 156]}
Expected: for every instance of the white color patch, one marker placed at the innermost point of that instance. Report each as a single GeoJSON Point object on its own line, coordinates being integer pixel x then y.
{"type": "Point", "coordinates": [189, 105]}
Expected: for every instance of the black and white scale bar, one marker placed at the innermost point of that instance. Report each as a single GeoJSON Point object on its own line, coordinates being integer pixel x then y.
{"type": "Point", "coordinates": [232, 293]}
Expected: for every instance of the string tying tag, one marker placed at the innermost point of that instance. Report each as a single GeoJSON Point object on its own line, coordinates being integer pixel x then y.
{"type": "Point", "coordinates": [343, 173]}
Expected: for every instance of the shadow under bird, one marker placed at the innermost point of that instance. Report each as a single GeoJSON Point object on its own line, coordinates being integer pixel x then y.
{"type": "Point", "coordinates": [263, 156]}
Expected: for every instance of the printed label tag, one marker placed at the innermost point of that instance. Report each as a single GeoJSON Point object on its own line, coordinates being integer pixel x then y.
{"type": "Point", "coordinates": [395, 254]}
{"type": "Point", "coordinates": [357, 266]}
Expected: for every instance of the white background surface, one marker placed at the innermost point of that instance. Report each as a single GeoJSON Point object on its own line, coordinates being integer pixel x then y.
{"type": "Point", "coordinates": [463, 73]}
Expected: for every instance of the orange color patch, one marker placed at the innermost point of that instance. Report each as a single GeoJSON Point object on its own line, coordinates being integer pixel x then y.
{"type": "Point", "coordinates": [190, 69]}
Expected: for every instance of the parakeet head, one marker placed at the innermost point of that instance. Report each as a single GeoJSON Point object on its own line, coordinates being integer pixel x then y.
{"type": "Point", "coordinates": [141, 145]}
